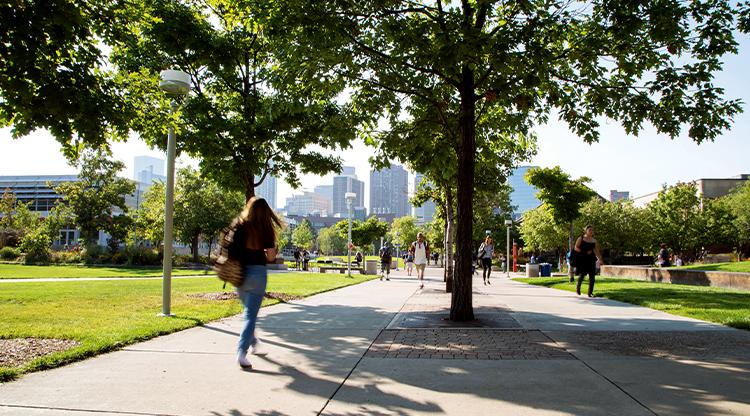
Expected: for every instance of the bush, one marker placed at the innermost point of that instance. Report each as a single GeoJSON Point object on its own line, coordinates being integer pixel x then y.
{"type": "Point", "coordinates": [35, 245]}
{"type": "Point", "coordinates": [94, 254]}
{"type": "Point", "coordinates": [142, 256]}
{"type": "Point", "coordinates": [9, 253]}
{"type": "Point", "coordinates": [66, 257]}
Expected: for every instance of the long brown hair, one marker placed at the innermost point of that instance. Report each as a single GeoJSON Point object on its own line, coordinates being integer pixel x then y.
{"type": "Point", "coordinates": [260, 220]}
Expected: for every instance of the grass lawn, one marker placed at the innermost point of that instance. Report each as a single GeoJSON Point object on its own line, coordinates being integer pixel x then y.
{"type": "Point", "coordinates": [722, 306]}
{"type": "Point", "coordinates": [22, 271]}
{"type": "Point", "coordinates": [106, 315]}
{"type": "Point", "coordinates": [735, 266]}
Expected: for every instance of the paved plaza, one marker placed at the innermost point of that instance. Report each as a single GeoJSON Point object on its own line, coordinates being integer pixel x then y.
{"type": "Point", "coordinates": [385, 348]}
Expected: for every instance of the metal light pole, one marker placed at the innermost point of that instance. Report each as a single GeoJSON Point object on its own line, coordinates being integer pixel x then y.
{"type": "Point", "coordinates": [176, 84]}
{"type": "Point", "coordinates": [508, 223]}
{"type": "Point", "coordinates": [350, 197]}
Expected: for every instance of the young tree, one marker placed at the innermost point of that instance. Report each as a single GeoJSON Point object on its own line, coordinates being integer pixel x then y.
{"type": "Point", "coordinates": [403, 231]}
{"type": "Point", "coordinates": [252, 113]}
{"type": "Point", "coordinates": [331, 242]}
{"type": "Point", "coordinates": [675, 220]}
{"type": "Point", "coordinates": [540, 232]}
{"type": "Point", "coordinates": [149, 217]}
{"type": "Point", "coordinates": [201, 208]}
{"type": "Point", "coordinates": [563, 196]}
{"type": "Point", "coordinates": [738, 203]}
{"type": "Point", "coordinates": [303, 235]}
{"type": "Point", "coordinates": [94, 196]}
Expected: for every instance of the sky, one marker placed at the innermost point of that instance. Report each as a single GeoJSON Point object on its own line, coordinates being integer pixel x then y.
{"type": "Point", "coordinates": [640, 165]}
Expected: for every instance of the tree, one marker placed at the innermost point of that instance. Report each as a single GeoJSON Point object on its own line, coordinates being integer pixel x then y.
{"type": "Point", "coordinates": [251, 113]}
{"type": "Point", "coordinates": [331, 242]}
{"type": "Point", "coordinates": [738, 203]}
{"type": "Point", "coordinates": [149, 217]}
{"type": "Point", "coordinates": [201, 208]}
{"type": "Point", "coordinates": [619, 226]}
{"type": "Point", "coordinates": [403, 231]}
{"type": "Point", "coordinates": [540, 232]}
{"type": "Point", "coordinates": [364, 233]}
{"type": "Point", "coordinates": [53, 74]}
{"type": "Point", "coordinates": [675, 219]}
{"type": "Point", "coordinates": [633, 62]}
{"type": "Point", "coordinates": [303, 235]}
{"type": "Point", "coordinates": [563, 196]}
{"type": "Point", "coordinates": [97, 192]}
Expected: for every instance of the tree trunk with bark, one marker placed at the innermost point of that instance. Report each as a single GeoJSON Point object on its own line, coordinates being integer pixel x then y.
{"type": "Point", "coordinates": [448, 238]}
{"type": "Point", "coordinates": [461, 300]}
{"type": "Point", "coordinates": [194, 248]}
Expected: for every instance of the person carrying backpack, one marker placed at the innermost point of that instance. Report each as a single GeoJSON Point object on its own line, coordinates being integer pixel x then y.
{"type": "Point", "coordinates": [386, 256]}
{"type": "Point", "coordinates": [254, 245]}
{"type": "Point", "coordinates": [421, 251]}
{"type": "Point", "coordinates": [485, 253]}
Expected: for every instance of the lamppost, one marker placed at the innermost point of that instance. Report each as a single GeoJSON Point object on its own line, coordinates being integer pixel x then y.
{"type": "Point", "coordinates": [350, 197]}
{"type": "Point", "coordinates": [508, 223]}
{"type": "Point", "coordinates": [176, 84]}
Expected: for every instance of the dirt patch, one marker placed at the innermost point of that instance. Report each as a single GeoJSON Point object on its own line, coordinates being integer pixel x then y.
{"type": "Point", "coordinates": [16, 352]}
{"type": "Point", "coordinates": [283, 297]}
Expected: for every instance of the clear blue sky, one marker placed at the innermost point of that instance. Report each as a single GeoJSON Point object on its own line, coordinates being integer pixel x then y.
{"type": "Point", "coordinates": [639, 165]}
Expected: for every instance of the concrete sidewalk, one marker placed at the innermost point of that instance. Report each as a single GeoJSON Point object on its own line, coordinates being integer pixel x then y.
{"type": "Point", "coordinates": [383, 348]}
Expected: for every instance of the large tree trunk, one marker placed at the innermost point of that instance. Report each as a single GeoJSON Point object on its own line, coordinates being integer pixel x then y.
{"type": "Point", "coordinates": [571, 276]}
{"type": "Point", "coordinates": [461, 301]}
{"type": "Point", "coordinates": [449, 224]}
{"type": "Point", "coordinates": [249, 183]}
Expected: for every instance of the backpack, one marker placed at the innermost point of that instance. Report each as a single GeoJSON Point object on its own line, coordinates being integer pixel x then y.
{"type": "Point", "coordinates": [227, 267]}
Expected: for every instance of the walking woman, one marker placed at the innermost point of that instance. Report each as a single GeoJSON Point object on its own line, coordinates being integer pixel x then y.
{"type": "Point", "coordinates": [486, 252]}
{"type": "Point", "coordinates": [254, 246]}
{"type": "Point", "coordinates": [587, 252]}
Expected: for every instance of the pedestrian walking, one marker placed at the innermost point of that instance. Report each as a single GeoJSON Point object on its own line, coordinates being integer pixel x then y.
{"type": "Point", "coordinates": [421, 251]}
{"type": "Point", "coordinates": [386, 256]}
{"type": "Point", "coordinates": [297, 256]}
{"type": "Point", "coordinates": [254, 245]}
{"type": "Point", "coordinates": [409, 262]}
{"type": "Point", "coordinates": [662, 260]}
{"type": "Point", "coordinates": [485, 253]}
{"type": "Point", "coordinates": [587, 254]}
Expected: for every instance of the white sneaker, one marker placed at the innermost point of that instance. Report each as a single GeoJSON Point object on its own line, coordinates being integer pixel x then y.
{"type": "Point", "coordinates": [243, 361]}
{"type": "Point", "coordinates": [258, 348]}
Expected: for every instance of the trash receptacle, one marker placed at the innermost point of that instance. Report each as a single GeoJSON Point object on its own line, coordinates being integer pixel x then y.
{"type": "Point", "coordinates": [532, 270]}
{"type": "Point", "coordinates": [545, 270]}
{"type": "Point", "coordinates": [371, 267]}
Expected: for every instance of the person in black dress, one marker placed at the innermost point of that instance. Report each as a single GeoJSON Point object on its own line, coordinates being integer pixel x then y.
{"type": "Point", "coordinates": [587, 252]}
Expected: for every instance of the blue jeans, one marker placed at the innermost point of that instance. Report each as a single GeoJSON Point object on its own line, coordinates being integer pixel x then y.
{"type": "Point", "coordinates": [251, 294]}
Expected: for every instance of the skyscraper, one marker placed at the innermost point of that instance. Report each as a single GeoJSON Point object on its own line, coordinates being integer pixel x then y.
{"type": "Point", "coordinates": [347, 182]}
{"type": "Point", "coordinates": [324, 190]}
{"type": "Point", "coordinates": [389, 191]}
{"type": "Point", "coordinates": [147, 169]}
{"type": "Point", "coordinates": [523, 197]}
{"type": "Point", "coordinates": [309, 203]}
{"type": "Point", "coordinates": [426, 212]}
{"type": "Point", "coordinates": [267, 190]}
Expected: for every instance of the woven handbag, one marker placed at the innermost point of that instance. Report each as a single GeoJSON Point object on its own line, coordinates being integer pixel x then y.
{"type": "Point", "coordinates": [228, 268]}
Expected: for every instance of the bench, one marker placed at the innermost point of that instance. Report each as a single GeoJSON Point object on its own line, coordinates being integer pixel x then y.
{"type": "Point", "coordinates": [341, 269]}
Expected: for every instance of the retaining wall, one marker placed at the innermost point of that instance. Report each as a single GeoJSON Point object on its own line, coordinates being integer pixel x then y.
{"type": "Point", "coordinates": [729, 280]}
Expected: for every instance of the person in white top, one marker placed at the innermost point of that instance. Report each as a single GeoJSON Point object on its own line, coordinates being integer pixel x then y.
{"type": "Point", "coordinates": [421, 252]}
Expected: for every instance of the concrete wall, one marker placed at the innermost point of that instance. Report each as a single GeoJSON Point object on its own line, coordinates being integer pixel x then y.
{"type": "Point", "coordinates": [729, 280]}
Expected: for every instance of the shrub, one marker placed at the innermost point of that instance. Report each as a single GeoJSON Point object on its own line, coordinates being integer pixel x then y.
{"type": "Point", "coordinates": [66, 257]}
{"type": "Point", "coordinates": [35, 244]}
{"type": "Point", "coordinates": [94, 254]}
{"type": "Point", "coordinates": [9, 253]}
{"type": "Point", "coordinates": [143, 256]}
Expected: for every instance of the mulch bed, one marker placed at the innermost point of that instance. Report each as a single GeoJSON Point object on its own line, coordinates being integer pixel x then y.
{"type": "Point", "coordinates": [283, 297]}
{"type": "Point", "coordinates": [16, 352]}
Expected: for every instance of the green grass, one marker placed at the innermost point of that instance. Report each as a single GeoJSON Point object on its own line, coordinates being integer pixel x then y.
{"type": "Point", "coordinates": [722, 306]}
{"type": "Point", "coordinates": [105, 315]}
{"type": "Point", "coordinates": [735, 266]}
{"type": "Point", "coordinates": [21, 271]}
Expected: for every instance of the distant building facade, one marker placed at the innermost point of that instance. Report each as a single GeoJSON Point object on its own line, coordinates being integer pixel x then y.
{"type": "Point", "coordinates": [347, 182]}
{"type": "Point", "coordinates": [147, 170]}
{"type": "Point", "coordinates": [426, 212]}
{"type": "Point", "coordinates": [389, 191]}
{"type": "Point", "coordinates": [324, 190]}
{"type": "Point", "coordinates": [615, 195]}
{"type": "Point", "coordinates": [267, 190]}
{"type": "Point", "coordinates": [523, 196]}
{"type": "Point", "coordinates": [706, 188]}
{"type": "Point", "coordinates": [309, 203]}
